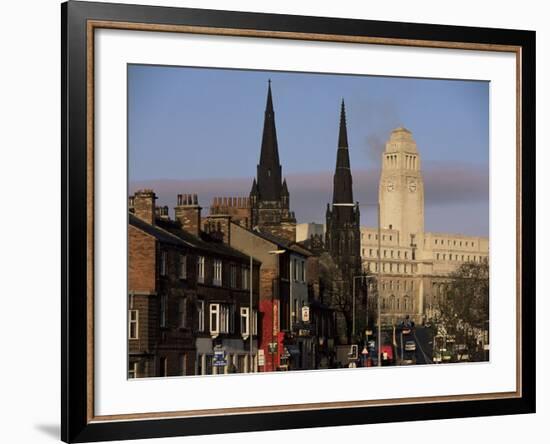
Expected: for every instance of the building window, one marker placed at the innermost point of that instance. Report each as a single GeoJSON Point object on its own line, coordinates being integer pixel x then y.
{"type": "Point", "coordinates": [244, 321]}
{"type": "Point", "coordinates": [183, 266]}
{"type": "Point", "coordinates": [163, 368]}
{"type": "Point", "coordinates": [182, 312]}
{"type": "Point", "coordinates": [370, 235]}
{"type": "Point", "coordinates": [391, 253]}
{"type": "Point", "coordinates": [295, 265]}
{"type": "Point", "coordinates": [303, 271]}
{"type": "Point", "coordinates": [437, 256]}
{"type": "Point", "coordinates": [225, 318]}
{"type": "Point", "coordinates": [200, 269]}
{"type": "Point", "coordinates": [217, 280]}
{"type": "Point", "coordinates": [233, 276]}
{"type": "Point", "coordinates": [133, 370]}
{"type": "Point", "coordinates": [200, 312]}
{"type": "Point", "coordinates": [220, 318]}
{"type": "Point", "coordinates": [390, 237]}
{"type": "Point", "coordinates": [362, 252]}
{"type": "Point", "coordinates": [133, 324]}
{"type": "Point", "coordinates": [436, 241]}
{"type": "Point", "coordinates": [405, 255]}
{"type": "Point", "coordinates": [163, 303]}
{"type": "Point", "coordinates": [214, 318]}
{"type": "Point", "coordinates": [183, 361]}
{"type": "Point", "coordinates": [254, 322]}
{"type": "Point", "coordinates": [246, 278]}
{"type": "Point", "coordinates": [163, 263]}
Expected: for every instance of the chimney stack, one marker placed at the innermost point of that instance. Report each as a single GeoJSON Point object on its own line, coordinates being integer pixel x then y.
{"type": "Point", "coordinates": [144, 205]}
{"type": "Point", "coordinates": [162, 212]}
{"type": "Point", "coordinates": [188, 213]}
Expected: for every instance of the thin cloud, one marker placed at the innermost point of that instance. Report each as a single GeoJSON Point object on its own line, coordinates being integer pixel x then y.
{"type": "Point", "coordinates": [445, 186]}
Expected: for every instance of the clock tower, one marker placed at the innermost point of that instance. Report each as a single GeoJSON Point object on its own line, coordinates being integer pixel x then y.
{"type": "Point", "coordinates": [401, 188]}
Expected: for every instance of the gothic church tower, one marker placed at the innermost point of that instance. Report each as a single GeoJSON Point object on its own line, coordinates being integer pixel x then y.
{"type": "Point", "coordinates": [401, 189]}
{"type": "Point", "coordinates": [269, 197]}
{"type": "Point", "coordinates": [343, 237]}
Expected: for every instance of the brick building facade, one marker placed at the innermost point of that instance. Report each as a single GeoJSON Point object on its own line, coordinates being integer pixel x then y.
{"type": "Point", "coordinates": [188, 295]}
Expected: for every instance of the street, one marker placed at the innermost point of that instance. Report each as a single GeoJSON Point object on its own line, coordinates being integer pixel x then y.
{"type": "Point", "coordinates": [422, 338]}
{"type": "Point", "coordinates": [424, 345]}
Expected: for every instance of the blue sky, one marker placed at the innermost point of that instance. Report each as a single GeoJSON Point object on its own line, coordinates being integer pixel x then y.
{"type": "Point", "coordinates": [199, 130]}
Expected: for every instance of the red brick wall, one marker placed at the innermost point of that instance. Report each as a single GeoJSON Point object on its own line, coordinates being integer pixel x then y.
{"type": "Point", "coordinates": [141, 261]}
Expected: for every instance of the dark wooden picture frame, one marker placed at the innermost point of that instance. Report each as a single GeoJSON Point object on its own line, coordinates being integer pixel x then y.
{"type": "Point", "coordinates": [79, 20]}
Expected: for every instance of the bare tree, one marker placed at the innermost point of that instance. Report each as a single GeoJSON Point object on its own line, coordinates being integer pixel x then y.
{"type": "Point", "coordinates": [464, 308]}
{"type": "Point", "coordinates": [338, 294]}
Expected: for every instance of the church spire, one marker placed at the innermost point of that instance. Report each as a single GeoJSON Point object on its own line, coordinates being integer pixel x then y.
{"type": "Point", "coordinates": [270, 150]}
{"type": "Point", "coordinates": [343, 136]}
{"type": "Point", "coordinates": [342, 190]}
{"type": "Point", "coordinates": [269, 168]}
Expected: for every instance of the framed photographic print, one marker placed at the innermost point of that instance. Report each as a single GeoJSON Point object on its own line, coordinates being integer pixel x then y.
{"type": "Point", "coordinates": [276, 221]}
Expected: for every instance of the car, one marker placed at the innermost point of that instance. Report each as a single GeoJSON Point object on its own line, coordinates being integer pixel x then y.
{"type": "Point", "coordinates": [410, 346]}
{"type": "Point", "coordinates": [409, 358]}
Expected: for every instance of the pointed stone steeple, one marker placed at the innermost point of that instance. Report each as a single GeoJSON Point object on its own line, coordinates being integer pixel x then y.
{"type": "Point", "coordinates": [269, 168]}
{"type": "Point", "coordinates": [342, 190]}
{"type": "Point", "coordinates": [343, 236]}
{"type": "Point", "coordinates": [343, 134]}
{"type": "Point", "coordinates": [269, 196]}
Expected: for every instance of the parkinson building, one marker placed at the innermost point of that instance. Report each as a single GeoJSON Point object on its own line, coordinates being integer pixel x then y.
{"type": "Point", "coordinates": [414, 264]}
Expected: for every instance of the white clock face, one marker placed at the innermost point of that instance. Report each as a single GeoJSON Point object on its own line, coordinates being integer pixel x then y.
{"type": "Point", "coordinates": [412, 186]}
{"type": "Point", "coordinates": [390, 186]}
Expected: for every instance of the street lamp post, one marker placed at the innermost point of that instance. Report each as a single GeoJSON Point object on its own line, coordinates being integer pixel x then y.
{"type": "Point", "coordinates": [276, 253]}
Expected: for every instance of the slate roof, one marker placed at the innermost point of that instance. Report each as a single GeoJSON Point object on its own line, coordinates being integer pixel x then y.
{"type": "Point", "coordinates": [170, 232]}
{"type": "Point", "coordinates": [283, 243]}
